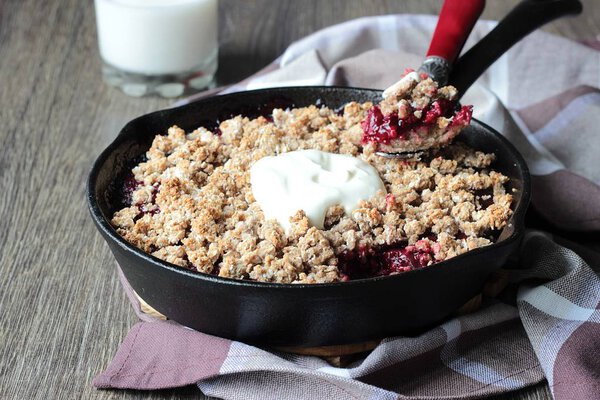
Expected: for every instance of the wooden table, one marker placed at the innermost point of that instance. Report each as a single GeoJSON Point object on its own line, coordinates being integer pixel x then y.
{"type": "Point", "coordinates": [62, 310]}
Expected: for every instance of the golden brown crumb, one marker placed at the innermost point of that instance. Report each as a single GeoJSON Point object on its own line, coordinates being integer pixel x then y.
{"type": "Point", "coordinates": [194, 205]}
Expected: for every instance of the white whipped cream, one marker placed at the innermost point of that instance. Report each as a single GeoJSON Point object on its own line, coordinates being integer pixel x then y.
{"type": "Point", "coordinates": [404, 82]}
{"type": "Point", "coordinates": [312, 181]}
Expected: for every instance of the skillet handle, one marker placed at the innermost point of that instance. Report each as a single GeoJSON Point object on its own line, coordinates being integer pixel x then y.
{"type": "Point", "coordinates": [526, 17]}
{"type": "Point", "coordinates": [456, 20]}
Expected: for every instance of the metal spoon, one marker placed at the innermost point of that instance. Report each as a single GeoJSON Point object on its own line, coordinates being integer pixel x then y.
{"type": "Point", "coordinates": [526, 17]}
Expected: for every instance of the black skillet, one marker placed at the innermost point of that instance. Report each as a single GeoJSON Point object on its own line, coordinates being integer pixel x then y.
{"type": "Point", "coordinates": [321, 314]}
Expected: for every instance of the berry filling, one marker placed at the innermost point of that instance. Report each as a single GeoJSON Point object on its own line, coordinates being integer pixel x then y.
{"type": "Point", "coordinates": [380, 128]}
{"type": "Point", "coordinates": [128, 187]}
{"type": "Point", "coordinates": [484, 197]}
{"type": "Point", "coordinates": [462, 116]}
{"type": "Point", "coordinates": [387, 260]}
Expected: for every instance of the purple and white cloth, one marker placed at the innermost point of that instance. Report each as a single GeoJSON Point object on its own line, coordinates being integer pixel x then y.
{"type": "Point", "coordinates": [544, 95]}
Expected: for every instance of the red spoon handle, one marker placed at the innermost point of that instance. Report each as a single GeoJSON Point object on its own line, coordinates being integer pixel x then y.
{"type": "Point", "coordinates": [456, 20]}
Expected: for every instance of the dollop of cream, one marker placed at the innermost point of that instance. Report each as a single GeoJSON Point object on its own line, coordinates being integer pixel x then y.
{"type": "Point", "coordinates": [312, 181]}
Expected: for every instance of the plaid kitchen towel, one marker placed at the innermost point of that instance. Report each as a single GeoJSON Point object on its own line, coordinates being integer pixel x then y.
{"type": "Point", "coordinates": [549, 109]}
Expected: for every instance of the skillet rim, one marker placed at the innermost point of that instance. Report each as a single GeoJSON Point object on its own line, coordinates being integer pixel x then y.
{"type": "Point", "coordinates": [104, 226]}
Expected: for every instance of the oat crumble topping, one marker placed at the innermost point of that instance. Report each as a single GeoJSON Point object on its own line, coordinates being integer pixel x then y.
{"type": "Point", "coordinates": [192, 204]}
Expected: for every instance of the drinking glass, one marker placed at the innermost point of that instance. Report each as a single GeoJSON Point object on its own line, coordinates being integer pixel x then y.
{"type": "Point", "coordinates": [164, 47]}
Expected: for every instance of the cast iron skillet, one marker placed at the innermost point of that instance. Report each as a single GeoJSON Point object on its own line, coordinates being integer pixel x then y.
{"type": "Point", "coordinates": [289, 314]}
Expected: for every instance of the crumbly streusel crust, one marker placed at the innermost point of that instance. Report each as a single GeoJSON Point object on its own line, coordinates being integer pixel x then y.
{"type": "Point", "coordinates": [193, 205]}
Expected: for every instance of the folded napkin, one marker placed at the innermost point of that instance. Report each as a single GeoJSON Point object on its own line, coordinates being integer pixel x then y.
{"type": "Point", "coordinates": [544, 96]}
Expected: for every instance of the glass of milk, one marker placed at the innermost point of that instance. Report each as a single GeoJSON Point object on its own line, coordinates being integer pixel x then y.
{"type": "Point", "coordinates": [164, 47]}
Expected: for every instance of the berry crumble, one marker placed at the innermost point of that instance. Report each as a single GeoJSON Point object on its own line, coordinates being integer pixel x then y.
{"type": "Point", "coordinates": [190, 202]}
{"type": "Point", "coordinates": [415, 115]}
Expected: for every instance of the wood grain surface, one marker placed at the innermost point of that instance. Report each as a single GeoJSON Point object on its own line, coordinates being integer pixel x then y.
{"type": "Point", "coordinates": [62, 311]}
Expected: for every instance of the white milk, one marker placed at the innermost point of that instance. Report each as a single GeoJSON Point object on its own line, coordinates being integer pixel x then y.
{"type": "Point", "coordinates": [157, 37]}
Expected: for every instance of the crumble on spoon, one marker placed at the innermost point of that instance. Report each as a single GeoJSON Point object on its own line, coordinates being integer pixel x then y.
{"type": "Point", "coordinates": [414, 116]}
